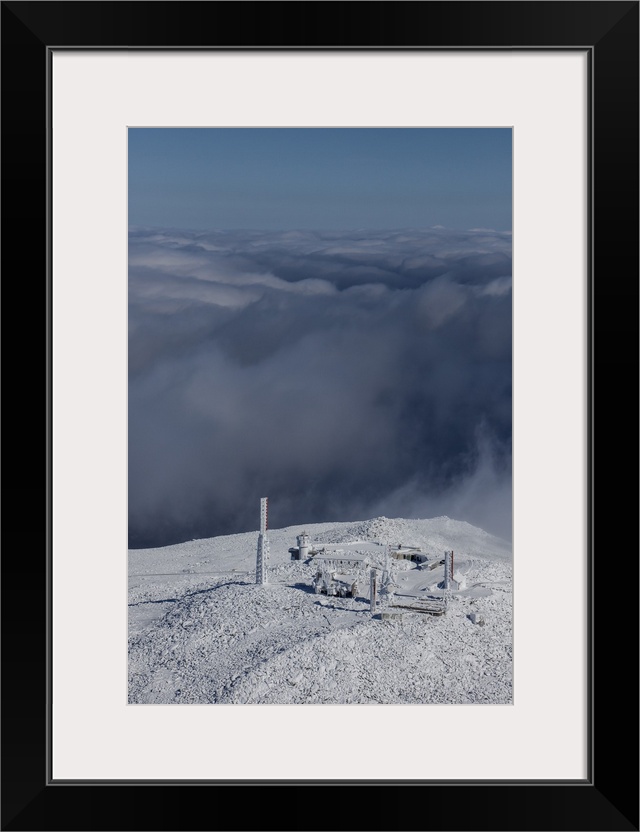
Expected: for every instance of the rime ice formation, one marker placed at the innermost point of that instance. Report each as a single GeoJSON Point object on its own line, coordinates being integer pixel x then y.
{"type": "Point", "coordinates": [202, 631]}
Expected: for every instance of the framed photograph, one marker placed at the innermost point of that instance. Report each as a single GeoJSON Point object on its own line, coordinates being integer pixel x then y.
{"type": "Point", "coordinates": [378, 262]}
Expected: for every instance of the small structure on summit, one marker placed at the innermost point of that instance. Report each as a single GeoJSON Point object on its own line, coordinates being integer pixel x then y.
{"type": "Point", "coordinates": [330, 582]}
{"type": "Point", "coordinates": [304, 542]}
{"type": "Point", "coordinates": [338, 573]}
{"type": "Point", "coordinates": [304, 549]}
{"type": "Point", "coordinates": [411, 553]}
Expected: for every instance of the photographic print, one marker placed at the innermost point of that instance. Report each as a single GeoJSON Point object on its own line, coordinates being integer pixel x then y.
{"type": "Point", "coordinates": [320, 415]}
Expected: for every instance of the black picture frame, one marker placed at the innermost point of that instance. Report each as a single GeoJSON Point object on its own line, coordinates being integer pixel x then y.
{"type": "Point", "coordinates": [608, 798]}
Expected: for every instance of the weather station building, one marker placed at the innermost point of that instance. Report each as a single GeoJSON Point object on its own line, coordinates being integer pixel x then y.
{"type": "Point", "coordinates": [304, 549]}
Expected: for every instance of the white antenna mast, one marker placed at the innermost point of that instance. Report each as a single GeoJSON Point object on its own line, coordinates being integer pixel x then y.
{"type": "Point", "coordinates": [448, 575]}
{"type": "Point", "coordinates": [262, 560]}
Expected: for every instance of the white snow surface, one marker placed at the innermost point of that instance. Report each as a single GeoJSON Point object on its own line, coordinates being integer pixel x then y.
{"type": "Point", "coordinates": [201, 631]}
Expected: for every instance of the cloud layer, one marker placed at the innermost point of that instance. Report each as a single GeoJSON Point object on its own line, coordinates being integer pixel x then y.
{"type": "Point", "coordinates": [344, 375]}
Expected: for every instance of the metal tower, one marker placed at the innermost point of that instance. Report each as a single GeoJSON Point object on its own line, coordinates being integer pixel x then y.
{"type": "Point", "coordinates": [386, 584]}
{"type": "Point", "coordinates": [448, 576]}
{"type": "Point", "coordinates": [447, 570]}
{"type": "Point", "coordinates": [262, 560]}
{"type": "Point", "coordinates": [386, 571]}
{"type": "Point", "coordinates": [373, 591]}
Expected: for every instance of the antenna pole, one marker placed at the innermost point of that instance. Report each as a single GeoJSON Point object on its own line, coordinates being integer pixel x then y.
{"type": "Point", "coordinates": [262, 558]}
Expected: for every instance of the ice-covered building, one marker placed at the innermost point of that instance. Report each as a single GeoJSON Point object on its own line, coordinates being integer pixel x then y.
{"type": "Point", "coordinates": [304, 549]}
{"type": "Point", "coordinates": [409, 553]}
{"type": "Point", "coordinates": [329, 582]}
{"type": "Point", "coordinates": [341, 560]}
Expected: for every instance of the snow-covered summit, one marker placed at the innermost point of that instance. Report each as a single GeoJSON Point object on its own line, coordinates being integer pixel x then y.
{"type": "Point", "coordinates": [431, 535]}
{"type": "Point", "coordinates": [202, 631]}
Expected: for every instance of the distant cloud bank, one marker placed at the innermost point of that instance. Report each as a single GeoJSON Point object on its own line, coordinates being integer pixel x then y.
{"type": "Point", "coordinates": [345, 375]}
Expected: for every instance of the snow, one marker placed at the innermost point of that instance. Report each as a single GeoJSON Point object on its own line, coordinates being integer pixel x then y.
{"type": "Point", "coordinates": [201, 631]}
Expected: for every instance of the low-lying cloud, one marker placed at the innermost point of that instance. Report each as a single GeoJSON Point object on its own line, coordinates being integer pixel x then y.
{"type": "Point", "coordinates": [344, 375]}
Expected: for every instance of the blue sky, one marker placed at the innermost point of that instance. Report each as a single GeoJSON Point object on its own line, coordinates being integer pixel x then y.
{"type": "Point", "coordinates": [320, 178]}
